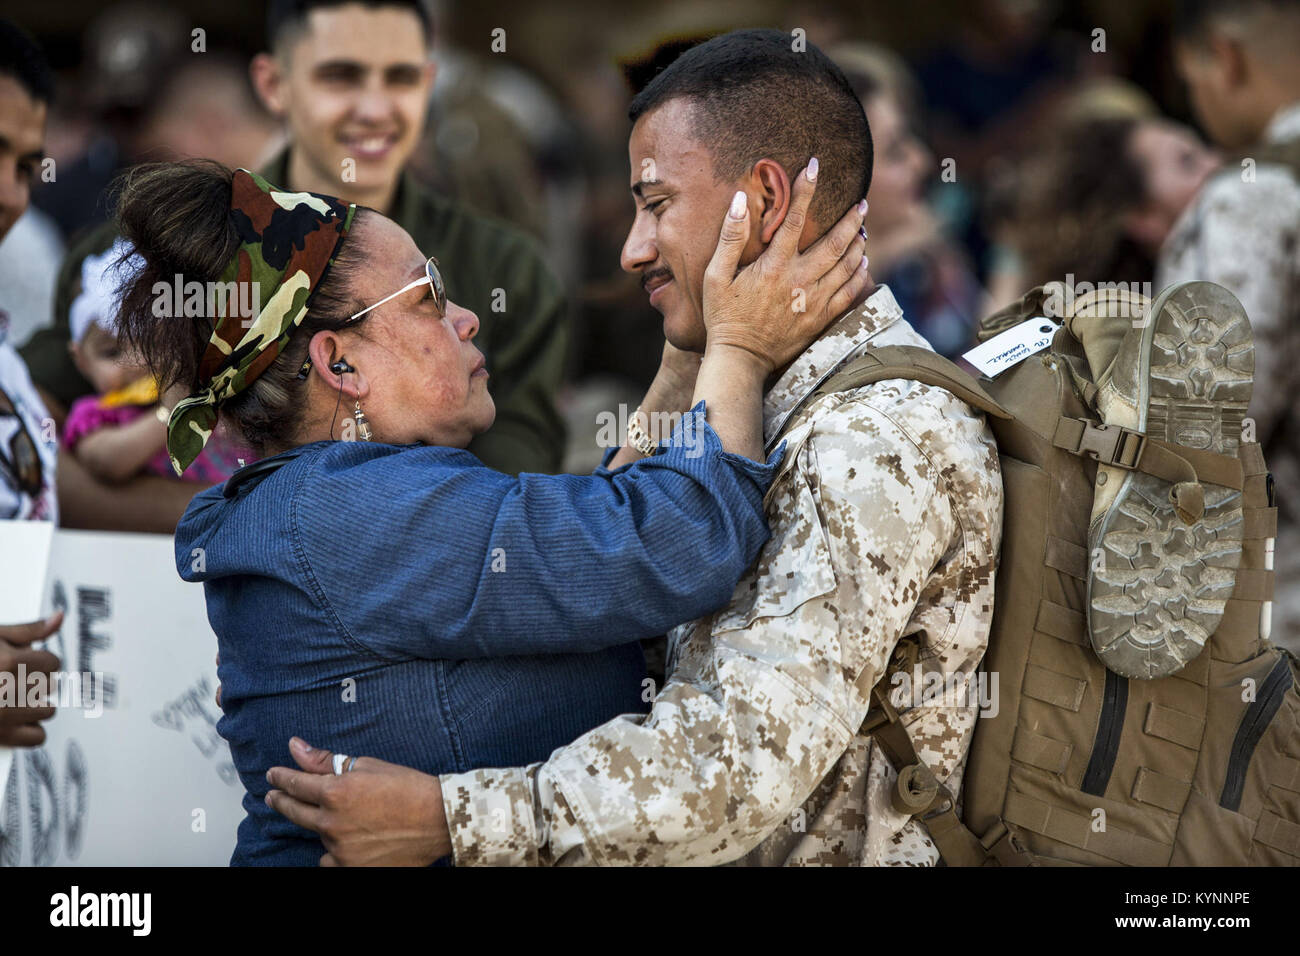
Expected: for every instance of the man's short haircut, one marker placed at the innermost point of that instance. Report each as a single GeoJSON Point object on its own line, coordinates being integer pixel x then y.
{"type": "Point", "coordinates": [286, 19]}
{"type": "Point", "coordinates": [756, 97]}
{"type": "Point", "coordinates": [1192, 17]}
{"type": "Point", "coordinates": [21, 58]}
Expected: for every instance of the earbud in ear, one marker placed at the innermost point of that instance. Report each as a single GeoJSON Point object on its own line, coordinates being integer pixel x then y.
{"type": "Point", "coordinates": [341, 366]}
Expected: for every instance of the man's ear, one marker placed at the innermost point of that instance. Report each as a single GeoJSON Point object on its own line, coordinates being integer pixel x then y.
{"type": "Point", "coordinates": [773, 188]}
{"type": "Point", "coordinates": [324, 350]}
{"type": "Point", "coordinates": [268, 80]}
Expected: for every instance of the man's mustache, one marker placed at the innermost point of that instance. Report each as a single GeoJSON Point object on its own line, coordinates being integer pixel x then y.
{"type": "Point", "coordinates": [653, 274]}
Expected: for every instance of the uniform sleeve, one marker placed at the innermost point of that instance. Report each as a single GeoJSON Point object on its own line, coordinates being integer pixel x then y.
{"type": "Point", "coordinates": [760, 705]}
{"type": "Point", "coordinates": [454, 560]}
{"type": "Point", "coordinates": [528, 349]}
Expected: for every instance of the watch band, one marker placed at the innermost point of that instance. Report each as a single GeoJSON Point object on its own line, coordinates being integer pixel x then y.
{"type": "Point", "coordinates": [637, 436]}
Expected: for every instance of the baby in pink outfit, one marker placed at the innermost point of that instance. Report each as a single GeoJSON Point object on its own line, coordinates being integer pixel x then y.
{"type": "Point", "coordinates": [122, 431]}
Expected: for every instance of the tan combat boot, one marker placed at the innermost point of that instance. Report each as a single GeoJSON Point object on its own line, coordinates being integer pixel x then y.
{"type": "Point", "coordinates": [1162, 568]}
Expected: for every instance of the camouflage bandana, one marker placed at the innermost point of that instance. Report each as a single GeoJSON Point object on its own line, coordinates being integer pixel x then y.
{"type": "Point", "coordinates": [288, 241]}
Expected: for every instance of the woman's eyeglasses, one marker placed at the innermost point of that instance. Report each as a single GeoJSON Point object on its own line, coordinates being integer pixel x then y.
{"type": "Point", "coordinates": [431, 276]}
{"type": "Point", "coordinates": [24, 461]}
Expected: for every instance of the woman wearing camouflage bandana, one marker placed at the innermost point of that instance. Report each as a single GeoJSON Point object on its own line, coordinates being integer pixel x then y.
{"type": "Point", "coordinates": [371, 580]}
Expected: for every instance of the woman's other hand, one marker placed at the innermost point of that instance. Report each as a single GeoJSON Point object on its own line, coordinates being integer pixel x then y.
{"type": "Point", "coordinates": [376, 814]}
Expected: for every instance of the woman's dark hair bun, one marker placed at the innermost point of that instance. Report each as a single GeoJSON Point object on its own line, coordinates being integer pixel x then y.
{"type": "Point", "coordinates": [177, 217]}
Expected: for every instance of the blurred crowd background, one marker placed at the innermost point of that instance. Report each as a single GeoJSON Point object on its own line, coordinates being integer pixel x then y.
{"type": "Point", "coordinates": [1016, 141]}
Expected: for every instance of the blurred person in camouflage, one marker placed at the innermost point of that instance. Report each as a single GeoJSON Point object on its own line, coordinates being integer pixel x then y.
{"type": "Point", "coordinates": [1238, 58]}
{"type": "Point", "coordinates": [885, 518]}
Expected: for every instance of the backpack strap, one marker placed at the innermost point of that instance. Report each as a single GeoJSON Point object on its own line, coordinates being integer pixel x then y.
{"type": "Point", "coordinates": [915, 364]}
{"type": "Point", "coordinates": [1183, 467]}
{"type": "Point", "coordinates": [909, 362]}
{"type": "Point", "coordinates": [917, 791]}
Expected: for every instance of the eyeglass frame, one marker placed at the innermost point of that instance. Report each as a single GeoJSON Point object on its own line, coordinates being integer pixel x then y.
{"type": "Point", "coordinates": [432, 275]}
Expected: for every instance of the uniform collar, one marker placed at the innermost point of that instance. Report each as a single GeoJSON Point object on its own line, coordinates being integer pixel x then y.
{"type": "Point", "coordinates": [844, 336]}
{"type": "Point", "coordinates": [1285, 125]}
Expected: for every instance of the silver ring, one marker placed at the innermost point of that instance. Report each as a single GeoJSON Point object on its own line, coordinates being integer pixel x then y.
{"type": "Point", "coordinates": [339, 761]}
{"type": "Point", "coordinates": [351, 764]}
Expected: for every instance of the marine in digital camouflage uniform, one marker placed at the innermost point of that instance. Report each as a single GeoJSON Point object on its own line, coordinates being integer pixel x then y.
{"type": "Point", "coordinates": [1243, 232]}
{"type": "Point", "coordinates": [885, 522]}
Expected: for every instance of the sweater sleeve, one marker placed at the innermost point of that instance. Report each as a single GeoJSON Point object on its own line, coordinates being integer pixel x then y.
{"type": "Point", "coordinates": [440, 557]}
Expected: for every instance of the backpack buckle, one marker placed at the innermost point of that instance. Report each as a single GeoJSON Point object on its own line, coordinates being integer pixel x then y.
{"type": "Point", "coordinates": [1111, 444]}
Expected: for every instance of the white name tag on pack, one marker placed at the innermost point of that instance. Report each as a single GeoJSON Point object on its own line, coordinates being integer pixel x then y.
{"type": "Point", "coordinates": [1014, 345]}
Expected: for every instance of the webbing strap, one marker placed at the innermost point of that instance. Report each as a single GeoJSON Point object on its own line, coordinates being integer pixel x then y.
{"type": "Point", "coordinates": [1253, 584]}
{"type": "Point", "coordinates": [1273, 831]}
{"type": "Point", "coordinates": [1041, 751]}
{"type": "Point", "coordinates": [1258, 523]}
{"type": "Point", "coordinates": [1186, 730]}
{"type": "Point", "coordinates": [957, 845]}
{"type": "Point", "coordinates": [1124, 448]}
{"type": "Point", "coordinates": [1062, 623]}
{"type": "Point", "coordinates": [1210, 466]}
{"type": "Point", "coordinates": [914, 364]}
{"type": "Point", "coordinates": [1066, 557]}
{"type": "Point", "coordinates": [1076, 830]}
{"type": "Point", "coordinates": [1002, 845]}
{"type": "Point", "coordinates": [1252, 458]}
{"type": "Point", "coordinates": [1285, 773]}
{"type": "Point", "coordinates": [1052, 687]}
{"type": "Point", "coordinates": [1161, 790]}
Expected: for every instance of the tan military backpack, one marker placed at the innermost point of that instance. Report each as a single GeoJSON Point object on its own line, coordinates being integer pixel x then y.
{"type": "Point", "coordinates": [1081, 765]}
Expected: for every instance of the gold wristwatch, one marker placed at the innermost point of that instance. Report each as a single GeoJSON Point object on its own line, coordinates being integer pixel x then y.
{"type": "Point", "coordinates": [637, 436]}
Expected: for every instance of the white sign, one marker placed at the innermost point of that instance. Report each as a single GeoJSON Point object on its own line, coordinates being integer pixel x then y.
{"type": "Point", "coordinates": [133, 771]}
{"type": "Point", "coordinates": [24, 553]}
